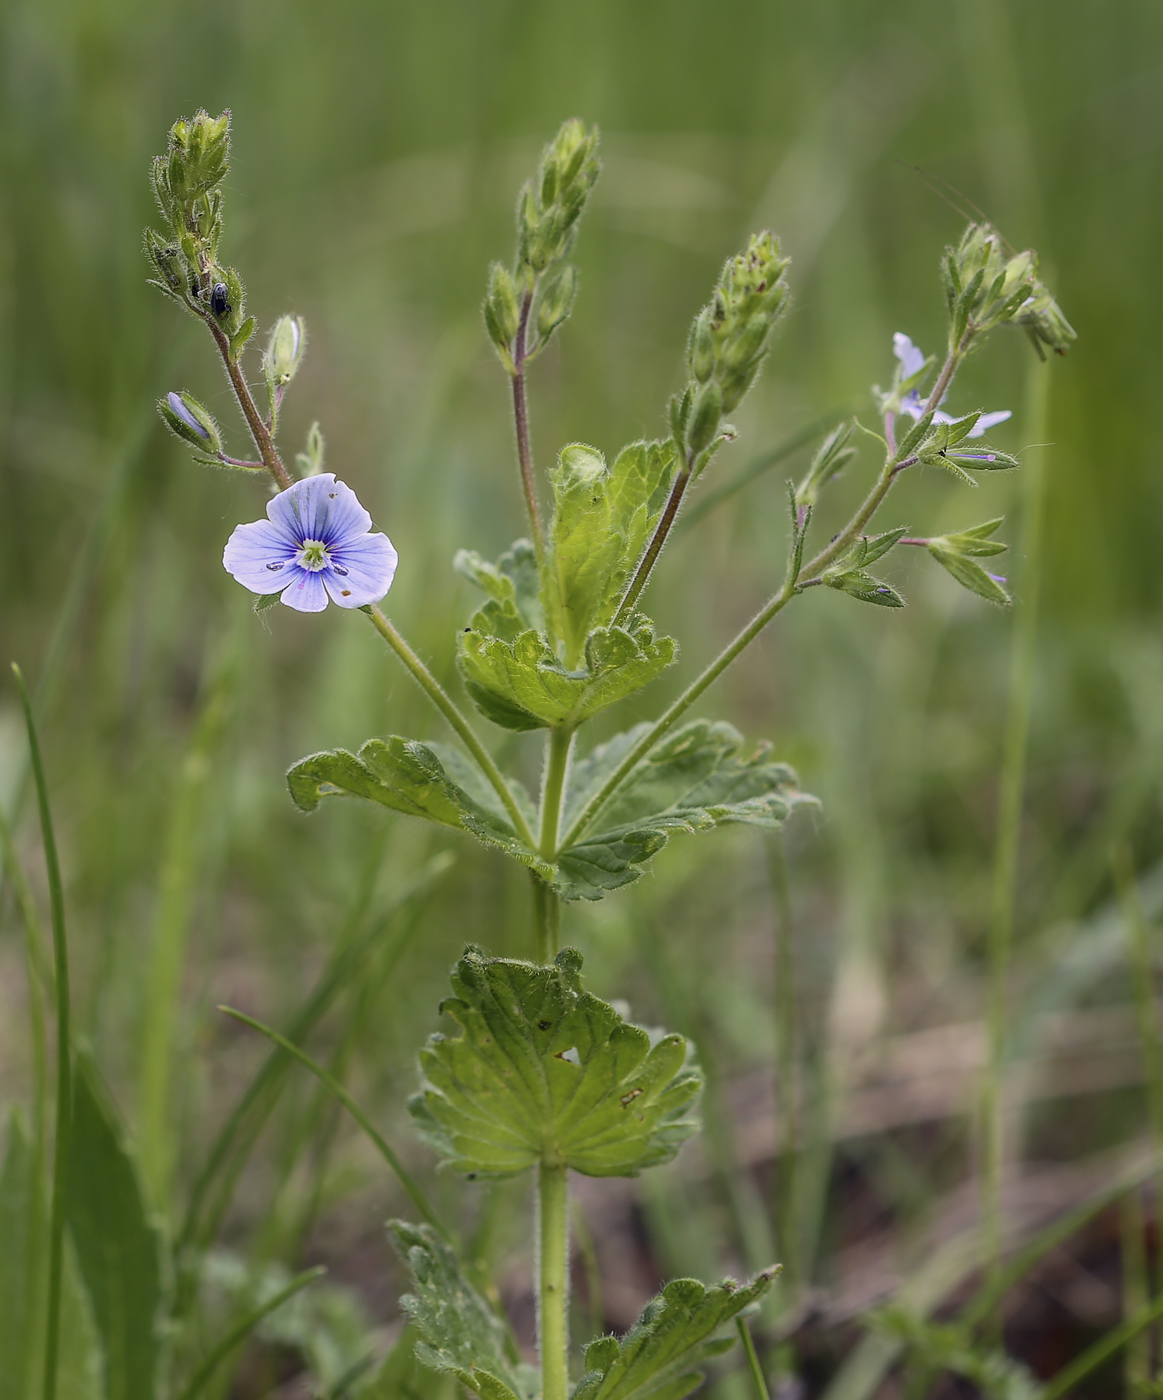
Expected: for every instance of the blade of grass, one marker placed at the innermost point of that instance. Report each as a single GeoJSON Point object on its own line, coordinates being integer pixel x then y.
{"type": "Point", "coordinates": [64, 1096]}
{"type": "Point", "coordinates": [239, 1332]}
{"type": "Point", "coordinates": [1106, 1347]}
{"type": "Point", "coordinates": [415, 1195]}
{"type": "Point", "coordinates": [258, 1100]}
{"type": "Point", "coordinates": [178, 887]}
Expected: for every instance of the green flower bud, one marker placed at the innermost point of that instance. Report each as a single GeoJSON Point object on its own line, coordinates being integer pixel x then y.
{"type": "Point", "coordinates": [555, 301]}
{"type": "Point", "coordinates": [701, 350]}
{"type": "Point", "coordinates": [185, 417]}
{"type": "Point", "coordinates": [550, 206]}
{"type": "Point", "coordinates": [286, 347]}
{"type": "Point", "coordinates": [834, 454]}
{"type": "Point", "coordinates": [706, 415]}
{"type": "Point", "coordinates": [168, 262]}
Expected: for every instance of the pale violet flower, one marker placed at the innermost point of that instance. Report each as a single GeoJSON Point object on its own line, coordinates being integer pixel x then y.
{"type": "Point", "coordinates": [315, 543]}
{"type": "Point", "coordinates": [912, 359]}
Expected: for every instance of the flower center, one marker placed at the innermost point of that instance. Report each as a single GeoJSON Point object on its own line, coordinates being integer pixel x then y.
{"type": "Point", "coordinates": [313, 556]}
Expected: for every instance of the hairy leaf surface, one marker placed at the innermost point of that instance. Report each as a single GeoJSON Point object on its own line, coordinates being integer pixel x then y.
{"type": "Point", "coordinates": [421, 780]}
{"type": "Point", "coordinates": [677, 1332]}
{"type": "Point", "coordinates": [692, 781]}
{"type": "Point", "coordinates": [545, 1071]}
{"type": "Point", "coordinates": [462, 1334]}
{"type": "Point", "coordinates": [519, 683]}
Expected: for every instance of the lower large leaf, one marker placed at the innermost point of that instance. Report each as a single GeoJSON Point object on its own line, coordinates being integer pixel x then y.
{"type": "Point", "coordinates": [544, 1071]}
{"type": "Point", "coordinates": [693, 780]}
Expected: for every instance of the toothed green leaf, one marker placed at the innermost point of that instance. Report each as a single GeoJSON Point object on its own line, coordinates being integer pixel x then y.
{"type": "Point", "coordinates": [692, 781]}
{"type": "Point", "coordinates": [676, 1332]}
{"type": "Point", "coordinates": [462, 1335]}
{"type": "Point", "coordinates": [545, 1071]}
{"type": "Point", "coordinates": [420, 780]}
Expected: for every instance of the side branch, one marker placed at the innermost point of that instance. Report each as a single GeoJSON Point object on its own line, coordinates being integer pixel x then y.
{"type": "Point", "coordinates": [254, 421]}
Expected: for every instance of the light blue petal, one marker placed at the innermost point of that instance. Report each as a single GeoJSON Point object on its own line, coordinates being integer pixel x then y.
{"type": "Point", "coordinates": [306, 593]}
{"type": "Point", "coordinates": [361, 571]}
{"type": "Point", "coordinates": [258, 555]}
{"type": "Point", "coordinates": [910, 356]}
{"type": "Point", "coordinates": [911, 404]}
{"type": "Point", "coordinates": [987, 420]}
{"type": "Point", "coordinates": [320, 508]}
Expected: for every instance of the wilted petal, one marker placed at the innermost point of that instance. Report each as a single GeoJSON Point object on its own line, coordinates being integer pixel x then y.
{"type": "Point", "coordinates": [911, 357]}
{"type": "Point", "coordinates": [361, 571]}
{"type": "Point", "coordinates": [912, 405]}
{"type": "Point", "coordinates": [320, 508]}
{"type": "Point", "coordinates": [987, 420]}
{"type": "Point", "coordinates": [258, 556]}
{"type": "Point", "coordinates": [306, 593]}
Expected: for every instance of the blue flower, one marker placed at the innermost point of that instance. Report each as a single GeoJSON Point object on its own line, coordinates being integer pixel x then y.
{"type": "Point", "coordinates": [315, 543]}
{"type": "Point", "coordinates": [912, 361]}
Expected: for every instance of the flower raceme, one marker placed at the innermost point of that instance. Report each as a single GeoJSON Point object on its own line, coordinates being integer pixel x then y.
{"type": "Point", "coordinates": [912, 361]}
{"type": "Point", "coordinates": [315, 543]}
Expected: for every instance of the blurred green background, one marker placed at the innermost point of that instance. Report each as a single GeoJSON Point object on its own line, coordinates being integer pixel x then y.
{"type": "Point", "coordinates": [378, 149]}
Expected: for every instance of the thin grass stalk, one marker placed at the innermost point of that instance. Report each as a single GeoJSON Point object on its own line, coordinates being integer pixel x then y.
{"type": "Point", "coordinates": [378, 1141]}
{"type": "Point", "coordinates": [178, 889]}
{"type": "Point", "coordinates": [1009, 816]}
{"type": "Point", "coordinates": [64, 1095]}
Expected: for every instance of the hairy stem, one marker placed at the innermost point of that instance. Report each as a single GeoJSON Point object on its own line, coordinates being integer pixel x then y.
{"type": "Point", "coordinates": [254, 420]}
{"type": "Point", "coordinates": [521, 420]}
{"type": "Point", "coordinates": [654, 548]}
{"type": "Point", "coordinates": [557, 751]}
{"type": "Point", "coordinates": [447, 707]}
{"type": "Point", "coordinates": [553, 1280]}
{"type": "Point", "coordinates": [546, 920]}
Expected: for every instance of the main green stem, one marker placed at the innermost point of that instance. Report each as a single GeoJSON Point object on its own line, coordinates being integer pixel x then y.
{"type": "Point", "coordinates": [553, 1280]}
{"type": "Point", "coordinates": [546, 904]}
{"type": "Point", "coordinates": [445, 704]}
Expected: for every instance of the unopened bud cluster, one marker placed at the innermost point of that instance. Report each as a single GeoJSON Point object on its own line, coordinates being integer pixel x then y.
{"type": "Point", "coordinates": [728, 342]}
{"type": "Point", "coordinates": [186, 182]}
{"type": "Point", "coordinates": [525, 306]}
{"type": "Point", "coordinates": [185, 257]}
{"type": "Point", "coordinates": [986, 289]}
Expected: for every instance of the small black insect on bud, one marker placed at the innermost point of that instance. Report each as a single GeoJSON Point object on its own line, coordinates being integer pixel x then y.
{"type": "Point", "coordinates": [218, 303]}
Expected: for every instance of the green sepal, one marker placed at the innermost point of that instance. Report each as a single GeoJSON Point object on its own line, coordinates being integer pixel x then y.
{"type": "Point", "coordinates": [915, 437]}
{"type": "Point", "coordinates": [521, 684]}
{"type": "Point", "coordinates": [859, 584]}
{"type": "Point", "coordinates": [676, 1333]}
{"type": "Point", "coordinates": [694, 780]}
{"type": "Point", "coordinates": [867, 549]}
{"type": "Point", "coordinates": [285, 348]}
{"type": "Point", "coordinates": [462, 1335]}
{"type": "Point", "coordinates": [544, 1071]}
{"type": "Point", "coordinates": [186, 418]}
{"type": "Point", "coordinates": [420, 780]}
{"type": "Point", "coordinates": [265, 601]}
{"type": "Point", "coordinates": [241, 336]}
{"type": "Point", "coordinates": [310, 460]}
{"type": "Point", "coordinates": [968, 573]}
